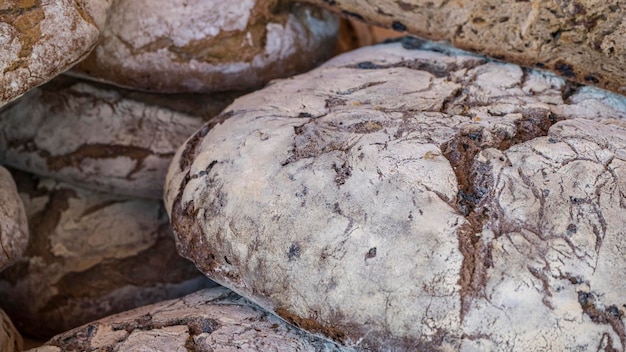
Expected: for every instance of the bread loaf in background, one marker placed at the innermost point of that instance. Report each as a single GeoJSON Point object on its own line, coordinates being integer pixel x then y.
{"type": "Point", "coordinates": [90, 255]}
{"type": "Point", "coordinates": [178, 46]}
{"type": "Point", "coordinates": [583, 41]}
{"type": "Point", "coordinates": [41, 39]}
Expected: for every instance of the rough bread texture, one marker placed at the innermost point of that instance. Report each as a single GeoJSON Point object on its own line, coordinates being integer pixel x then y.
{"type": "Point", "coordinates": [10, 338]}
{"type": "Point", "coordinates": [403, 200]}
{"type": "Point", "coordinates": [209, 320]}
{"type": "Point", "coordinates": [207, 46]}
{"type": "Point", "coordinates": [13, 226]}
{"type": "Point", "coordinates": [42, 38]}
{"type": "Point", "coordinates": [584, 41]}
{"type": "Point", "coordinates": [100, 138]}
{"type": "Point", "coordinates": [90, 255]}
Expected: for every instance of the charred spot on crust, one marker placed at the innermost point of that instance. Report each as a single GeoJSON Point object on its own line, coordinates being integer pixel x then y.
{"type": "Point", "coordinates": [294, 252]}
{"type": "Point", "coordinates": [564, 69]}
{"type": "Point", "coordinates": [397, 26]}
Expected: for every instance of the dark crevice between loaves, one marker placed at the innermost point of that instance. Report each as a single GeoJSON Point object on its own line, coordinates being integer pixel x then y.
{"type": "Point", "coordinates": [476, 184]}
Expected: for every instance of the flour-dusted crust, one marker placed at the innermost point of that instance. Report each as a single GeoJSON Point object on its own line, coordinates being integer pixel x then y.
{"type": "Point", "coordinates": [42, 38]}
{"type": "Point", "coordinates": [90, 255]}
{"type": "Point", "coordinates": [10, 338]}
{"type": "Point", "coordinates": [13, 226]}
{"type": "Point", "coordinates": [584, 41]}
{"type": "Point", "coordinates": [209, 45]}
{"type": "Point", "coordinates": [366, 201]}
{"type": "Point", "coordinates": [101, 138]}
{"type": "Point", "coordinates": [213, 319]}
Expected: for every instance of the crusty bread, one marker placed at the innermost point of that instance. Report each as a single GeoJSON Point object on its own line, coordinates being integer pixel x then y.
{"type": "Point", "coordinates": [416, 200]}
{"type": "Point", "coordinates": [40, 39]}
{"type": "Point", "coordinates": [213, 319]}
{"type": "Point", "coordinates": [584, 41]}
{"type": "Point", "coordinates": [90, 255]}
{"type": "Point", "coordinates": [177, 46]}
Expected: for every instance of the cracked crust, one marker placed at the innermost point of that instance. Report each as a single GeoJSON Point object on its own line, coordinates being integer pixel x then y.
{"type": "Point", "coordinates": [90, 255]}
{"type": "Point", "coordinates": [42, 38]}
{"type": "Point", "coordinates": [104, 139]}
{"type": "Point", "coordinates": [209, 320]}
{"type": "Point", "coordinates": [208, 46]}
{"type": "Point", "coordinates": [13, 226]}
{"type": "Point", "coordinates": [352, 200]}
{"type": "Point", "coordinates": [581, 40]}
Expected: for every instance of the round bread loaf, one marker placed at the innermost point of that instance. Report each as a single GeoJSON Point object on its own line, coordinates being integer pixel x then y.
{"type": "Point", "coordinates": [416, 200]}
{"type": "Point", "coordinates": [100, 138]}
{"type": "Point", "coordinates": [13, 226]}
{"type": "Point", "coordinates": [90, 255]}
{"type": "Point", "coordinates": [209, 45]}
{"type": "Point", "coordinates": [40, 39]}
{"type": "Point", "coordinates": [209, 320]}
{"type": "Point", "coordinates": [584, 41]}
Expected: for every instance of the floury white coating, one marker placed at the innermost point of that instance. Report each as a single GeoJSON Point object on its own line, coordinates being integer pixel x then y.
{"type": "Point", "coordinates": [402, 199]}
{"type": "Point", "coordinates": [208, 46]}
{"type": "Point", "coordinates": [101, 138]}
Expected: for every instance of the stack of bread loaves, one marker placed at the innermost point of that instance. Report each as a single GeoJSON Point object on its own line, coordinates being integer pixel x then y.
{"type": "Point", "coordinates": [92, 158]}
{"type": "Point", "coordinates": [408, 196]}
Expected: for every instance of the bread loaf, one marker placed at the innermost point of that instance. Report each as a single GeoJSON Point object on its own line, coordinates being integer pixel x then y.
{"type": "Point", "coordinates": [583, 41]}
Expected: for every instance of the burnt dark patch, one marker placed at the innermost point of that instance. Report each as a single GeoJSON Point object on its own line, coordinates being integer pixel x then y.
{"type": "Point", "coordinates": [571, 229]}
{"type": "Point", "coordinates": [367, 65]}
{"type": "Point", "coordinates": [294, 252]}
{"type": "Point", "coordinates": [591, 79]}
{"type": "Point", "coordinates": [343, 173]}
{"type": "Point", "coordinates": [564, 69]}
{"type": "Point", "coordinates": [305, 115]}
{"type": "Point", "coordinates": [398, 26]}
{"type": "Point", "coordinates": [371, 253]}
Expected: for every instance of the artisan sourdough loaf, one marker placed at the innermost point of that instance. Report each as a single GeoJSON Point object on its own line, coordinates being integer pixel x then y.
{"type": "Point", "coordinates": [584, 41]}
{"type": "Point", "coordinates": [41, 38]}
{"type": "Point", "coordinates": [90, 255]}
{"type": "Point", "coordinates": [214, 319]}
{"type": "Point", "coordinates": [402, 199]}
{"type": "Point", "coordinates": [209, 45]}
{"type": "Point", "coordinates": [105, 139]}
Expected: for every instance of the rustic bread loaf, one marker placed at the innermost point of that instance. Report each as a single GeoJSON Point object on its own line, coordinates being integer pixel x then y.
{"type": "Point", "coordinates": [101, 138]}
{"type": "Point", "coordinates": [13, 226]}
{"type": "Point", "coordinates": [211, 45]}
{"type": "Point", "coordinates": [414, 200]}
{"type": "Point", "coordinates": [584, 41]}
{"type": "Point", "coordinates": [40, 39]}
{"type": "Point", "coordinates": [214, 319]}
{"type": "Point", "coordinates": [90, 255]}
{"type": "Point", "coordinates": [10, 338]}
